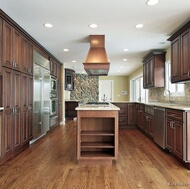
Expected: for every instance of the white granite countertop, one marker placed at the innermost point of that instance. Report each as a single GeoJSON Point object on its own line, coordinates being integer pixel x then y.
{"type": "Point", "coordinates": [97, 107]}
{"type": "Point", "coordinates": [161, 104]}
{"type": "Point", "coordinates": [169, 105]}
{"type": "Point", "coordinates": [1, 108]}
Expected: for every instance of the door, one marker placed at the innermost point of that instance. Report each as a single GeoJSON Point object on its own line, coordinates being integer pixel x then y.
{"type": "Point", "coordinates": [38, 78]}
{"type": "Point", "coordinates": [105, 90]}
{"type": "Point", "coordinates": [41, 101]}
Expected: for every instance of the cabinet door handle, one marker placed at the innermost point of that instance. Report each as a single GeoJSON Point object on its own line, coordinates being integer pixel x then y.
{"type": "Point", "coordinates": [188, 73]}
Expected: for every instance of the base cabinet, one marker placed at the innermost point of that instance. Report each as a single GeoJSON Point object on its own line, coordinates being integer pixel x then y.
{"type": "Point", "coordinates": [70, 111]}
{"type": "Point", "coordinates": [174, 132]}
{"type": "Point", "coordinates": [127, 115]}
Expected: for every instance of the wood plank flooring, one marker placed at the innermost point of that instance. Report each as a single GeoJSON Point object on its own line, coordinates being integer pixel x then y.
{"type": "Point", "coordinates": [50, 163]}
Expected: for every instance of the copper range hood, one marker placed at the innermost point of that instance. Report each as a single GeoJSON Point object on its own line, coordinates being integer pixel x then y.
{"type": "Point", "coordinates": [97, 63]}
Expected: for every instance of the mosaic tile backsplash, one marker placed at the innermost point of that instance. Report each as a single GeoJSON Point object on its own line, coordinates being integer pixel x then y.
{"type": "Point", "coordinates": [86, 88]}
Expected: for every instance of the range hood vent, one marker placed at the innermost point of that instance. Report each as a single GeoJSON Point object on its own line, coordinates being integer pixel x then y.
{"type": "Point", "coordinates": [97, 63]}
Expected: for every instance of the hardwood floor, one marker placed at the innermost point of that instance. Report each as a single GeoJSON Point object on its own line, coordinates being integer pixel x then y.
{"type": "Point", "coordinates": [50, 163]}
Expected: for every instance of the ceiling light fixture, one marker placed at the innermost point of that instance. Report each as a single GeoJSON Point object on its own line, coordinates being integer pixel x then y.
{"type": "Point", "coordinates": [139, 26]}
{"type": "Point", "coordinates": [65, 50]}
{"type": "Point", "coordinates": [152, 2]}
{"type": "Point", "coordinates": [124, 59]}
{"type": "Point", "coordinates": [126, 50]}
{"type": "Point", "coordinates": [93, 26]}
{"type": "Point", "coordinates": [48, 25]}
{"type": "Point", "coordinates": [74, 61]}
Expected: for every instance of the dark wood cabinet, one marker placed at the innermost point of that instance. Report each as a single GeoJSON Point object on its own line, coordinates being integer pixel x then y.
{"type": "Point", "coordinates": [53, 67]}
{"type": "Point", "coordinates": [131, 107]}
{"type": "Point", "coordinates": [26, 108]}
{"type": "Point", "coordinates": [1, 131]}
{"type": "Point", "coordinates": [27, 56]}
{"type": "Point", "coordinates": [123, 115]}
{"type": "Point", "coordinates": [127, 115]}
{"type": "Point", "coordinates": [1, 45]}
{"type": "Point", "coordinates": [174, 132]}
{"type": "Point", "coordinates": [59, 74]}
{"type": "Point", "coordinates": [149, 124]}
{"type": "Point", "coordinates": [69, 79]}
{"type": "Point", "coordinates": [180, 57]}
{"type": "Point", "coordinates": [153, 70]}
{"type": "Point", "coordinates": [12, 111]}
{"type": "Point", "coordinates": [140, 116]}
{"type": "Point", "coordinates": [11, 47]}
{"type": "Point", "coordinates": [70, 111]}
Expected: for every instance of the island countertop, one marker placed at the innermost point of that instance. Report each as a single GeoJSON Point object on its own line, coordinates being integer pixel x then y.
{"type": "Point", "coordinates": [97, 107]}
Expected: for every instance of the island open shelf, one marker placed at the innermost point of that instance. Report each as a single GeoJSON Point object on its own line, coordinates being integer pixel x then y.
{"type": "Point", "coordinates": [97, 136]}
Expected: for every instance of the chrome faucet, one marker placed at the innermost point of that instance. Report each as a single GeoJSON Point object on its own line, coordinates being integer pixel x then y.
{"type": "Point", "coordinates": [105, 98]}
{"type": "Point", "coordinates": [169, 95]}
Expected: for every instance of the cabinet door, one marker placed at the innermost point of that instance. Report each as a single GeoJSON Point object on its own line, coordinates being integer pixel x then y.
{"type": "Point", "coordinates": [7, 45]}
{"type": "Point", "coordinates": [169, 134]}
{"type": "Point", "coordinates": [1, 128]}
{"type": "Point", "coordinates": [145, 75]}
{"type": "Point", "coordinates": [185, 55]}
{"type": "Point", "coordinates": [24, 110]}
{"type": "Point", "coordinates": [132, 114]}
{"type": "Point", "coordinates": [8, 111]}
{"type": "Point", "coordinates": [140, 118]}
{"type": "Point", "coordinates": [59, 73]}
{"type": "Point", "coordinates": [69, 79]}
{"type": "Point", "coordinates": [151, 72]}
{"type": "Point", "coordinates": [30, 107]}
{"type": "Point", "coordinates": [17, 112]}
{"type": "Point", "coordinates": [27, 56]}
{"type": "Point", "coordinates": [1, 47]}
{"type": "Point", "coordinates": [175, 60]}
{"type": "Point", "coordinates": [178, 139]}
{"type": "Point", "coordinates": [151, 126]}
{"type": "Point", "coordinates": [16, 46]}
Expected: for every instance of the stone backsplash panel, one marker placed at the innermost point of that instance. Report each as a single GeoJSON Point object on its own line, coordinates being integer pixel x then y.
{"type": "Point", "coordinates": [86, 88]}
{"type": "Point", "coordinates": [157, 95]}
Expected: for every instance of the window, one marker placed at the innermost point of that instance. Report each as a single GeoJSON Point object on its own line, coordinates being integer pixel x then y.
{"type": "Point", "coordinates": [175, 89]}
{"type": "Point", "coordinates": [138, 94]}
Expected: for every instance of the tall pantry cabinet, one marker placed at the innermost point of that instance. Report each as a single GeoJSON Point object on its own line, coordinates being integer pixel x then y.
{"type": "Point", "coordinates": [17, 93]}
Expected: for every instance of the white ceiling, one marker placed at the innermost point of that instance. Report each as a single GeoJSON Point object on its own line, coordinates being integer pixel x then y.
{"type": "Point", "coordinates": [115, 19]}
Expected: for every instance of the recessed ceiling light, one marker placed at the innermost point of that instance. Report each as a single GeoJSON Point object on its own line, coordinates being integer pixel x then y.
{"type": "Point", "coordinates": [65, 50]}
{"type": "Point", "coordinates": [48, 25]}
{"type": "Point", "coordinates": [126, 49]}
{"type": "Point", "coordinates": [93, 26]}
{"type": "Point", "coordinates": [139, 26]}
{"type": "Point", "coordinates": [124, 59]}
{"type": "Point", "coordinates": [152, 2]}
{"type": "Point", "coordinates": [74, 61]}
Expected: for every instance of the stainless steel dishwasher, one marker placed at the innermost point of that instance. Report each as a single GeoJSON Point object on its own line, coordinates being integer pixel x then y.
{"type": "Point", "coordinates": [159, 127]}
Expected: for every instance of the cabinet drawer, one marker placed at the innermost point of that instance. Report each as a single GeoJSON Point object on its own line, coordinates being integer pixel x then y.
{"type": "Point", "coordinates": [122, 120]}
{"type": "Point", "coordinates": [175, 114]}
{"type": "Point", "coordinates": [122, 112]}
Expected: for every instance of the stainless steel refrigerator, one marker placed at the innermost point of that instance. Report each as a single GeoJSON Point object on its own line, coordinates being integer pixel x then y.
{"type": "Point", "coordinates": [41, 96]}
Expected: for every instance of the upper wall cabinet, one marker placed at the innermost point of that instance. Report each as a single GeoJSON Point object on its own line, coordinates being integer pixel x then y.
{"type": "Point", "coordinates": [53, 67]}
{"type": "Point", "coordinates": [11, 47]}
{"type": "Point", "coordinates": [59, 73]}
{"type": "Point", "coordinates": [180, 54]}
{"type": "Point", "coordinates": [1, 48]}
{"type": "Point", "coordinates": [153, 70]}
{"type": "Point", "coordinates": [27, 56]}
{"type": "Point", "coordinates": [69, 79]}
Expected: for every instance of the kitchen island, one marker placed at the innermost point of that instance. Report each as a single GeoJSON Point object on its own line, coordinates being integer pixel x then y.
{"type": "Point", "coordinates": [97, 134]}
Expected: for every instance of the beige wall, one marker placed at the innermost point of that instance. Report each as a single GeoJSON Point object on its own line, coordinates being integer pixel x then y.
{"type": "Point", "coordinates": [121, 83]}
